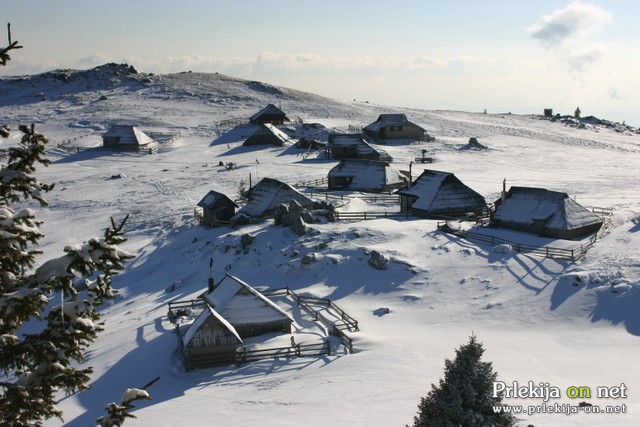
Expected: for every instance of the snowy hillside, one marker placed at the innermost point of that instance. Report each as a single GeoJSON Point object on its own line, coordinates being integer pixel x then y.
{"type": "Point", "coordinates": [541, 320]}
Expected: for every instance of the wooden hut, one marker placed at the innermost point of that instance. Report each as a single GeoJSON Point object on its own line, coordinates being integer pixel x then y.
{"type": "Point", "coordinates": [266, 195]}
{"type": "Point", "coordinates": [217, 209]}
{"type": "Point", "coordinates": [269, 114]}
{"type": "Point", "coordinates": [545, 213]}
{"type": "Point", "coordinates": [394, 126]}
{"type": "Point", "coordinates": [246, 309]}
{"type": "Point", "coordinates": [267, 134]}
{"type": "Point", "coordinates": [365, 175]}
{"type": "Point", "coordinates": [231, 312]}
{"type": "Point", "coordinates": [353, 146]}
{"type": "Point", "coordinates": [127, 138]}
{"type": "Point", "coordinates": [436, 194]}
{"type": "Point", "coordinates": [210, 340]}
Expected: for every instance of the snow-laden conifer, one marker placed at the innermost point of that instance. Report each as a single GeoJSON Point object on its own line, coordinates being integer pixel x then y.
{"type": "Point", "coordinates": [35, 365]}
{"type": "Point", "coordinates": [465, 396]}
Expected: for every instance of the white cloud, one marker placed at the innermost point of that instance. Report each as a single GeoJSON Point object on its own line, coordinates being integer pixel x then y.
{"type": "Point", "coordinates": [569, 33]}
{"type": "Point", "coordinates": [576, 22]}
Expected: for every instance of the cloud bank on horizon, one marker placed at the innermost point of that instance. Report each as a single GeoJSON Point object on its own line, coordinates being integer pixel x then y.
{"type": "Point", "coordinates": [522, 61]}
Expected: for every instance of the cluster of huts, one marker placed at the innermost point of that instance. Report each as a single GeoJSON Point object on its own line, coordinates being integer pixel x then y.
{"type": "Point", "coordinates": [233, 311]}
{"type": "Point", "coordinates": [432, 195]}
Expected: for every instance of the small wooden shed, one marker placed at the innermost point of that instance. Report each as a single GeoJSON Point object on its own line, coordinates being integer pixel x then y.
{"type": "Point", "coordinates": [268, 134]}
{"type": "Point", "coordinates": [269, 114]}
{"type": "Point", "coordinates": [127, 138]}
{"type": "Point", "coordinates": [394, 126]}
{"type": "Point", "coordinates": [436, 194]}
{"type": "Point", "coordinates": [231, 312]}
{"type": "Point", "coordinates": [266, 195]}
{"type": "Point", "coordinates": [365, 175]}
{"type": "Point", "coordinates": [246, 309]}
{"type": "Point", "coordinates": [353, 146]}
{"type": "Point", "coordinates": [545, 213]}
{"type": "Point", "coordinates": [217, 209]}
{"type": "Point", "coordinates": [210, 340]}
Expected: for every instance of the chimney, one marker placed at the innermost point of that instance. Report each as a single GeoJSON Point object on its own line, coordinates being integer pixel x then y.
{"type": "Point", "coordinates": [210, 283]}
{"type": "Point", "coordinates": [504, 189]}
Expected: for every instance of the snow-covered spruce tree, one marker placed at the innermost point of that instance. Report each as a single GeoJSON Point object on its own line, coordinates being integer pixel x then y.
{"type": "Point", "coordinates": [465, 396]}
{"type": "Point", "coordinates": [34, 366]}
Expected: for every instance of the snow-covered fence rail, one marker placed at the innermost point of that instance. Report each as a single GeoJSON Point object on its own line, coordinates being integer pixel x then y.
{"type": "Point", "coordinates": [165, 138]}
{"type": "Point", "coordinates": [307, 303]}
{"type": "Point", "coordinates": [75, 138]}
{"type": "Point", "coordinates": [562, 254]}
{"type": "Point", "coordinates": [232, 123]}
{"type": "Point", "coordinates": [320, 182]}
{"type": "Point", "coordinates": [380, 198]}
{"type": "Point", "coordinates": [246, 355]}
{"type": "Point", "coordinates": [360, 216]}
{"type": "Point", "coordinates": [372, 198]}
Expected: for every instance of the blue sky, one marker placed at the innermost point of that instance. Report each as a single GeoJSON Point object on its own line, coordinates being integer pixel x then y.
{"type": "Point", "coordinates": [518, 56]}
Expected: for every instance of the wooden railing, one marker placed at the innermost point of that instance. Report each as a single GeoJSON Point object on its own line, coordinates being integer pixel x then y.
{"type": "Point", "coordinates": [306, 303]}
{"type": "Point", "coordinates": [360, 216]}
{"type": "Point", "coordinates": [314, 183]}
{"type": "Point", "coordinates": [371, 197]}
{"type": "Point", "coordinates": [562, 254]}
{"type": "Point", "coordinates": [246, 355]}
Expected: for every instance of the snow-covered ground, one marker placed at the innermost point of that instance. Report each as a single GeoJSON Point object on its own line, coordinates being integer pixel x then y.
{"type": "Point", "coordinates": [537, 321]}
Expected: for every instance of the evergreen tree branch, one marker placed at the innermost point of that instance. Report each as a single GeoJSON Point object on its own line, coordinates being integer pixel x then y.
{"type": "Point", "coordinates": [4, 51]}
{"type": "Point", "coordinates": [118, 413]}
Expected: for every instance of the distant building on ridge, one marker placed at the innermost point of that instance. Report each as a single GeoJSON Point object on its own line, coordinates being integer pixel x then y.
{"type": "Point", "coordinates": [394, 126]}
{"type": "Point", "coordinates": [269, 114]}
{"type": "Point", "coordinates": [127, 138]}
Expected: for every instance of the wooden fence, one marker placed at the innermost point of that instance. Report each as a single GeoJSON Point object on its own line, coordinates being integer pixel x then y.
{"type": "Point", "coordinates": [243, 354]}
{"type": "Point", "coordinates": [346, 322]}
{"type": "Point", "coordinates": [360, 216]}
{"type": "Point", "coordinates": [562, 254]}
{"type": "Point", "coordinates": [375, 198]}
{"type": "Point", "coordinates": [314, 183]}
{"type": "Point", "coordinates": [246, 355]}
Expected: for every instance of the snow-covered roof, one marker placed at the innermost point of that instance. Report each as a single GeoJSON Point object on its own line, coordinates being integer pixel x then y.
{"type": "Point", "coordinates": [367, 174]}
{"type": "Point", "coordinates": [441, 191]}
{"type": "Point", "coordinates": [269, 193]}
{"type": "Point", "coordinates": [199, 321]}
{"type": "Point", "coordinates": [386, 120]}
{"type": "Point", "coordinates": [129, 135]}
{"type": "Point", "coordinates": [363, 148]}
{"type": "Point", "coordinates": [524, 205]}
{"type": "Point", "coordinates": [240, 303]}
{"type": "Point", "coordinates": [269, 110]}
{"type": "Point", "coordinates": [212, 198]}
{"type": "Point", "coordinates": [267, 133]}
